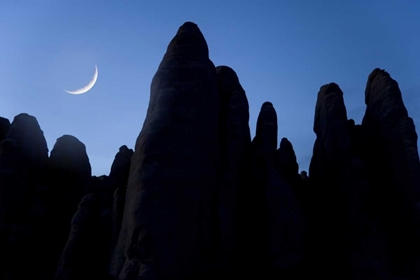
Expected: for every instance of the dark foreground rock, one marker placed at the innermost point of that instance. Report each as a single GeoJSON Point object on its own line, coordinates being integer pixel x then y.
{"type": "Point", "coordinates": [168, 224]}
{"type": "Point", "coordinates": [96, 224]}
{"type": "Point", "coordinates": [69, 178]}
{"type": "Point", "coordinates": [235, 144]}
{"type": "Point", "coordinates": [23, 207]}
{"type": "Point", "coordinates": [4, 127]}
{"type": "Point", "coordinates": [392, 159]}
{"type": "Point", "coordinates": [277, 232]}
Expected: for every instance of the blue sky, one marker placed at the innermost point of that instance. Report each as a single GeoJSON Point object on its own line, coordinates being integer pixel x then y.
{"type": "Point", "coordinates": [282, 51]}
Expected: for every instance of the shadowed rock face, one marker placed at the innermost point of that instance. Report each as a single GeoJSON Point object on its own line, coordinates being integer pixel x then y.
{"type": "Point", "coordinates": [118, 179]}
{"type": "Point", "coordinates": [330, 126]}
{"type": "Point", "coordinates": [393, 160]}
{"type": "Point", "coordinates": [235, 143]}
{"type": "Point", "coordinates": [23, 154]}
{"type": "Point", "coordinates": [286, 162]}
{"type": "Point", "coordinates": [267, 129]}
{"type": "Point", "coordinates": [81, 257]}
{"type": "Point", "coordinates": [4, 127]}
{"type": "Point", "coordinates": [96, 224]}
{"type": "Point", "coordinates": [340, 189]}
{"type": "Point", "coordinates": [387, 121]}
{"type": "Point", "coordinates": [120, 168]}
{"type": "Point", "coordinates": [69, 180]}
{"type": "Point", "coordinates": [25, 141]}
{"type": "Point", "coordinates": [169, 213]}
{"type": "Point", "coordinates": [69, 156]}
{"type": "Point", "coordinates": [277, 232]}
{"type": "Point", "coordinates": [329, 167]}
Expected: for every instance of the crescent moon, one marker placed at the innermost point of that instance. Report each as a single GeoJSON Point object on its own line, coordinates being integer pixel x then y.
{"type": "Point", "coordinates": [88, 86]}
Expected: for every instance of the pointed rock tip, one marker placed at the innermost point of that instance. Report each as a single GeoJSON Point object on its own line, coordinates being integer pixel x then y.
{"type": "Point", "coordinates": [375, 76]}
{"type": "Point", "coordinates": [285, 143]}
{"type": "Point", "coordinates": [378, 72]}
{"type": "Point", "coordinates": [330, 88]}
{"type": "Point", "coordinates": [267, 104]}
{"type": "Point", "coordinates": [123, 148]}
{"type": "Point", "coordinates": [284, 140]}
{"type": "Point", "coordinates": [189, 35]}
{"type": "Point", "coordinates": [189, 24]}
{"type": "Point", "coordinates": [189, 27]}
{"type": "Point", "coordinates": [227, 73]}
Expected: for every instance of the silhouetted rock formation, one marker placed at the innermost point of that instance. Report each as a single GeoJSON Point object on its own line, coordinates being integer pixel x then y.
{"type": "Point", "coordinates": [23, 154]}
{"type": "Point", "coordinates": [4, 127]}
{"type": "Point", "coordinates": [118, 179]}
{"type": "Point", "coordinates": [392, 159]}
{"type": "Point", "coordinates": [277, 216]}
{"type": "Point", "coordinates": [169, 213]}
{"type": "Point", "coordinates": [198, 200]}
{"type": "Point", "coordinates": [69, 158]}
{"type": "Point", "coordinates": [69, 180]}
{"type": "Point", "coordinates": [120, 168]}
{"type": "Point", "coordinates": [341, 190]}
{"type": "Point", "coordinates": [286, 163]}
{"type": "Point", "coordinates": [86, 246]}
{"type": "Point", "coordinates": [96, 224]}
{"type": "Point", "coordinates": [304, 175]}
{"type": "Point", "coordinates": [235, 143]}
{"type": "Point", "coordinates": [69, 174]}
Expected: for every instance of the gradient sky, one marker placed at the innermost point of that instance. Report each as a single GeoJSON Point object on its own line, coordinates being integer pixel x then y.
{"type": "Point", "coordinates": [282, 51]}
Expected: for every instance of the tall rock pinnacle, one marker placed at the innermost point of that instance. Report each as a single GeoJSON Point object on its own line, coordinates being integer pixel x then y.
{"type": "Point", "coordinates": [168, 221]}
{"type": "Point", "coordinates": [393, 160]}
{"type": "Point", "coordinates": [235, 144]}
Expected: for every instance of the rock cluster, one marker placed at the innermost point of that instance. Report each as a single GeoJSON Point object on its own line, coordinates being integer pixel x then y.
{"type": "Point", "coordinates": [200, 199]}
{"type": "Point", "coordinates": [39, 195]}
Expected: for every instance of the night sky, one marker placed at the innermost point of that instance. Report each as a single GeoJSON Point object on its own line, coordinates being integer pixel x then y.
{"type": "Point", "coordinates": [282, 51]}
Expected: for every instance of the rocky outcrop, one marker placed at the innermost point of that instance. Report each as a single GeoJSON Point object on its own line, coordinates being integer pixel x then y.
{"type": "Point", "coordinates": [86, 253]}
{"type": "Point", "coordinates": [276, 215]}
{"type": "Point", "coordinates": [330, 173]}
{"type": "Point", "coordinates": [4, 127]}
{"type": "Point", "coordinates": [69, 174]}
{"type": "Point", "coordinates": [286, 163]}
{"type": "Point", "coordinates": [332, 144]}
{"type": "Point", "coordinates": [69, 179]}
{"type": "Point", "coordinates": [24, 148]}
{"type": "Point", "coordinates": [118, 179]}
{"type": "Point", "coordinates": [340, 168]}
{"type": "Point", "coordinates": [304, 175]}
{"type": "Point", "coordinates": [23, 154]}
{"type": "Point", "coordinates": [235, 143]}
{"type": "Point", "coordinates": [392, 159]}
{"type": "Point", "coordinates": [169, 213]}
{"type": "Point", "coordinates": [96, 224]}
{"type": "Point", "coordinates": [120, 168]}
{"type": "Point", "coordinates": [69, 158]}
